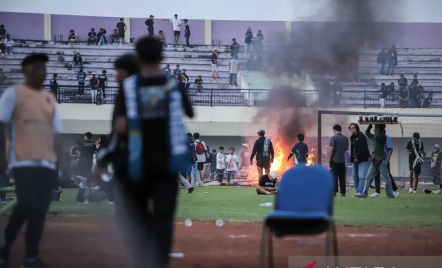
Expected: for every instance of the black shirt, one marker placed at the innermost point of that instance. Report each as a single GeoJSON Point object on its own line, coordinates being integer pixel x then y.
{"type": "Point", "coordinates": [102, 78]}
{"type": "Point", "coordinates": [77, 59]}
{"type": "Point", "coordinates": [92, 35]}
{"type": "Point", "coordinates": [382, 57]}
{"type": "Point", "coordinates": [258, 149]}
{"type": "Point", "coordinates": [155, 131]}
{"type": "Point", "coordinates": [214, 58]}
{"type": "Point", "coordinates": [403, 94]}
{"type": "Point", "coordinates": [87, 150]}
{"type": "Point", "coordinates": [402, 82]}
{"type": "Point", "coordinates": [54, 84]}
{"type": "Point", "coordinates": [359, 148]}
{"type": "Point", "coordinates": [426, 103]}
{"type": "Point", "coordinates": [72, 37]}
{"type": "Point", "coordinates": [264, 181]}
{"type": "Point", "coordinates": [93, 82]}
{"type": "Point", "coordinates": [419, 150]}
{"type": "Point", "coordinates": [149, 23]}
{"type": "Point", "coordinates": [120, 27]}
{"type": "Point", "coordinates": [2, 31]}
{"type": "Point", "coordinates": [249, 36]}
{"type": "Point", "coordinates": [384, 92]}
{"type": "Point", "coordinates": [187, 30]}
{"type": "Point", "coordinates": [415, 81]}
{"type": "Point", "coordinates": [199, 82]}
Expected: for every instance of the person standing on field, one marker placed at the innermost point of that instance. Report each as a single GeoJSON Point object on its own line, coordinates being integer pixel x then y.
{"type": "Point", "coordinates": [338, 146]}
{"type": "Point", "coordinates": [200, 151]}
{"type": "Point", "coordinates": [263, 150]}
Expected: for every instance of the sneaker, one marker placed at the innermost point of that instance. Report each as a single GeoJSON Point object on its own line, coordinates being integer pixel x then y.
{"type": "Point", "coordinates": [414, 192]}
{"type": "Point", "coordinates": [410, 191]}
{"type": "Point", "coordinates": [375, 195]}
{"type": "Point", "coordinates": [268, 193]}
{"type": "Point", "coordinates": [395, 193]}
{"type": "Point", "coordinates": [190, 190]}
{"type": "Point", "coordinates": [361, 196]}
{"type": "Point", "coordinates": [34, 263]}
{"type": "Point", "coordinates": [356, 194]}
{"type": "Point", "coordinates": [86, 201]}
{"type": "Point", "coordinates": [342, 195]}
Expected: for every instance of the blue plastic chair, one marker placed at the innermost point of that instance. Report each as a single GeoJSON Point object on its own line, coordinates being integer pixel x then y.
{"type": "Point", "coordinates": [304, 206]}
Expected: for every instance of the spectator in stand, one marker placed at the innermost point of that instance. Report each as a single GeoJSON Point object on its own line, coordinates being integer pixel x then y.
{"type": "Point", "coordinates": [337, 93]}
{"type": "Point", "coordinates": [170, 74]}
{"type": "Point", "coordinates": [420, 97]}
{"type": "Point", "coordinates": [177, 70]}
{"type": "Point", "coordinates": [176, 23]}
{"type": "Point", "coordinates": [199, 83]}
{"type": "Point", "coordinates": [77, 60]}
{"type": "Point", "coordinates": [415, 81]}
{"type": "Point", "coordinates": [232, 164]}
{"type": "Point", "coordinates": [81, 81]}
{"type": "Point", "coordinates": [233, 67]}
{"type": "Point", "coordinates": [184, 72]}
{"type": "Point", "coordinates": [384, 94]}
{"type": "Point", "coordinates": [259, 40]}
{"type": "Point", "coordinates": [382, 59]}
{"type": "Point", "coordinates": [102, 83]}
{"type": "Point", "coordinates": [234, 48]}
{"type": "Point", "coordinates": [2, 36]}
{"type": "Point", "coordinates": [101, 37]}
{"type": "Point", "coordinates": [391, 60]}
{"type": "Point", "coordinates": [92, 37]}
{"type": "Point", "coordinates": [413, 94]}
{"type": "Point", "coordinates": [178, 78]}
{"type": "Point", "coordinates": [215, 64]}
{"type": "Point", "coordinates": [185, 81]}
{"type": "Point", "coordinates": [73, 36]}
{"type": "Point", "coordinates": [428, 100]}
{"type": "Point", "coordinates": [121, 27]}
{"type": "Point", "coordinates": [250, 64]}
{"type": "Point", "coordinates": [402, 82]}
{"type": "Point", "coordinates": [162, 38]}
{"type": "Point", "coordinates": [403, 98]}
{"type": "Point", "coordinates": [187, 32]}
{"type": "Point", "coordinates": [93, 83]}
{"type": "Point", "coordinates": [149, 23]}
{"type": "Point", "coordinates": [8, 43]}
{"type": "Point", "coordinates": [167, 68]}
{"type": "Point", "coordinates": [2, 77]}
{"type": "Point", "coordinates": [53, 85]}
{"type": "Point", "coordinates": [114, 37]}
{"type": "Point", "coordinates": [248, 41]}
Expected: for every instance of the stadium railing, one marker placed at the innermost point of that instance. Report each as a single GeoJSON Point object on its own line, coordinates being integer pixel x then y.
{"type": "Point", "coordinates": [249, 97]}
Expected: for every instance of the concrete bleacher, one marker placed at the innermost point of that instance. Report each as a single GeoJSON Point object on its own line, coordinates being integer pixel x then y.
{"type": "Point", "coordinates": [195, 60]}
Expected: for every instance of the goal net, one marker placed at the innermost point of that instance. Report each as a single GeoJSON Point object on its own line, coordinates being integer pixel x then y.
{"type": "Point", "coordinates": [429, 127]}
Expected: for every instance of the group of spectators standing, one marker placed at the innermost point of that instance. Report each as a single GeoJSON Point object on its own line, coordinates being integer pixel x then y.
{"type": "Point", "coordinates": [99, 38]}
{"type": "Point", "coordinates": [410, 95]}
{"type": "Point", "coordinates": [6, 43]}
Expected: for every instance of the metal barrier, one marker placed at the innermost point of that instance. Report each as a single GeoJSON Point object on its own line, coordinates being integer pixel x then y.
{"type": "Point", "coordinates": [393, 100]}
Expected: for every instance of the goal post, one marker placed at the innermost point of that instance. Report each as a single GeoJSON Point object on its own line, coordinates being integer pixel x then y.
{"type": "Point", "coordinates": [429, 126]}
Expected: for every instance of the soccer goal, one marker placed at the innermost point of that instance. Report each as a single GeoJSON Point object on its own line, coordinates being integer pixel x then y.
{"type": "Point", "coordinates": [400, 127]}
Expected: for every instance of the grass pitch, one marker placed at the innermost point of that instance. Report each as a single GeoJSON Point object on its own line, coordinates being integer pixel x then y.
{"type": "Point", "coordinates": [242, 204]}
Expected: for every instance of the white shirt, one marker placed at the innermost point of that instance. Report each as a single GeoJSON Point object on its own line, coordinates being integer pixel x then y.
{"type": "Point", "coordinates": [233, 66]}
{"type": "Point", "coordinates": [220, 161]}
{"type": "Point", "coordinates": [200, 157]}
{"type": "Point", "coordinates": [176, 24]}
{"type": "Point", "coordinates": [232, 162]}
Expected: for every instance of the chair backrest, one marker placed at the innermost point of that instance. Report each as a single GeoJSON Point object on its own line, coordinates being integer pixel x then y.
{"type": "Point", "coordinates": [306, 189]}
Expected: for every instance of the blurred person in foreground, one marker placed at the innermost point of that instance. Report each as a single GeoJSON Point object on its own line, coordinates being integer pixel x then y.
{"type": "Point", "coordinates": [149, 107]}
{"type": "Point", "coordinates": [28, 108]}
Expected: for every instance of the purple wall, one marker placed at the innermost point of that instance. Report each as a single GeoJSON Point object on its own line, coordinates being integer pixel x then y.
{"type": "Point", "coordinates": [23, 25]}
{"type": "Point", "coordinates": [62, 24]}
{"type": "Point", "coordinates": [139, 28]}
{"type": "Point", "coordinates": [406, 35]}
{"type": "Point", "coordinates": [224, 30]}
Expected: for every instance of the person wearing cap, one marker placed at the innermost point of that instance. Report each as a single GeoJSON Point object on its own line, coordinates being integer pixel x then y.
{"type": "Point", "coordinates": [28, 108]}
{"type": "Point", "coordinates": [92, 37]}
{"type": "Point", "coordinates": [263, 150]}
{"type": "Point", "coordinates": [149, 23]}
{"type": "Point", "coordinates": [93, 83]}
{"type": "Point", "coordinates": [267, 184]}
{"type": "Point", "coordinates": [300, 151]}
{"type": "Point", "coordinates": [215, 64]}
{"type": "Point", "coordinates": [436, 159]}
{"type": "Point", "coordinates": [245, 156]}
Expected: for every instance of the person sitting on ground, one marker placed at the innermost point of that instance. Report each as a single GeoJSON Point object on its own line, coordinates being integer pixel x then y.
{"type": "Point", "coordinates": [73, 36]}
{"type": "Point", "coordinates": [101, 37]}
{"type": "Point", "coordinates": [77, 60]}
{"type": "Point", "coordinates": [428, 100]}
{"type": "Point", "coordinates": [267, 184]}
{"type": "Point", "coordinates": [92, 37]}
{"type": "Point", "coordinates": [162, 38]}
{"type": "Point", "coordinates": [199, 82]}
{"type": "Point", "coordinates": [114, 37]}
{"type": "Point", "coordinates": [8, 44]}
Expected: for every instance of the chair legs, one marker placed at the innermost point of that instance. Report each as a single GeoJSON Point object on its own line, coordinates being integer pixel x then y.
{"type": "Point", "coordinates": [263, 236]}
{"type": "Point", "coordinates": [271, 262]}
{"type": "Point", "coordinates": [335, 245]}
{"type": "Point", "coordinates": [266, 234]}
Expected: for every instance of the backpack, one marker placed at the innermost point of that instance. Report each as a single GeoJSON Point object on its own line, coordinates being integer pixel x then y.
{"type": "Point", "coordinates": [200, 148]}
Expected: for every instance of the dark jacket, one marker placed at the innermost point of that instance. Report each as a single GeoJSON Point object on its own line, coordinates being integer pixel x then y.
{"type": "Point", "coordinates": [258, 149]}
{"type": "Point", "coordinates": [191, 153]}
{"type": "Point", "coordinates": [392, 55]}
{"type": "Point", "coordinates": [149, 23]}
{"type": "Point", "coordinates": [359, 147]}
{"type": "Point", "coordinates": [382, 57]}
{"type": "Point", "coordinates": [77, 60]}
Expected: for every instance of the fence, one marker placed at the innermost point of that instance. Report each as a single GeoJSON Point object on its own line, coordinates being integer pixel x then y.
{"type": "Point", "coordinates": [255, 98]}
